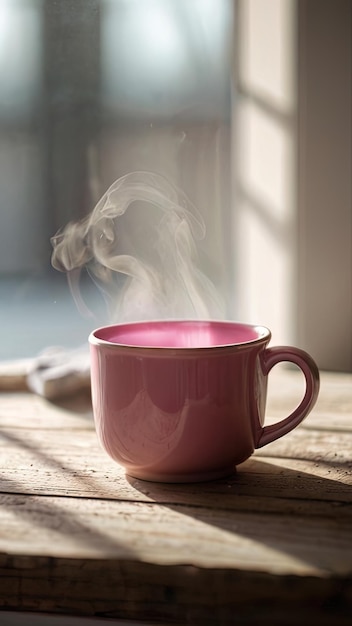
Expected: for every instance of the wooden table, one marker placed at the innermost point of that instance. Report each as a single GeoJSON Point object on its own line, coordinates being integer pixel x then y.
{"type": "Point", "coordinates": [272, 544]}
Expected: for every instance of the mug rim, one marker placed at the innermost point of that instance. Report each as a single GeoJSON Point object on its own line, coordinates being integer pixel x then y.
{"type": "Point", "coordinates": [263, 332]}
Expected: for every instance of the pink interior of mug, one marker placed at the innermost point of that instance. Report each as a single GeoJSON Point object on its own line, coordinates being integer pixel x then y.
{"type": "Point", "coordinates": [180, 334]}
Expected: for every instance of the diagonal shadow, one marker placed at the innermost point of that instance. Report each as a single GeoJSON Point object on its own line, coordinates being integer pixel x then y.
{"type": "Point", "coordinates": [49, 515]}
{"type": "Point", "coordinates": [320, 504]}
{"type": "Point", "coordinates": [287, 497]}
{"type": "Point", "coordinates": [282, 490]}
{"type": "Point", "coordinates": [87, 483]}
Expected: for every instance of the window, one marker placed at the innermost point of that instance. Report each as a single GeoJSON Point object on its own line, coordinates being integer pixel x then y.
{"type": "Point", "coordinates": [92, 90]}
{"type": "Point", "coordinates": [243, 104]}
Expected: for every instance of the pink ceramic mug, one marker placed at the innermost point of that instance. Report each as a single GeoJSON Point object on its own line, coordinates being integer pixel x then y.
{"type": "Point", "coordinates": [182, 401]}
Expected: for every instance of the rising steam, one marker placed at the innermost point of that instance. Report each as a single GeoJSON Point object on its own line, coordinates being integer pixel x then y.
{"type": "Point", "coordinates": [145, 261]}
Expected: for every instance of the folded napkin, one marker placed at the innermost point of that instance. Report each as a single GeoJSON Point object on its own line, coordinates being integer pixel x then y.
{"type": "Point", "coordinates": [59, 372]}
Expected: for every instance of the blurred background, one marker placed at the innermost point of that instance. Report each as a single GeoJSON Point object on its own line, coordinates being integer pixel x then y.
{"type": "Point", "coordinates": [245, 104]}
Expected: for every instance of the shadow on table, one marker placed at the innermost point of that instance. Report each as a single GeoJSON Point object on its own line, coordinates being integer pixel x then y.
{"type": "Point", "coordinates": [293, 512]}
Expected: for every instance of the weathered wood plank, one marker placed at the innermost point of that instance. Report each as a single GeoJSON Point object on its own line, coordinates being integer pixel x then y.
{"type": "Point", "coordinates": [175, 573]}
{"type": "Point", "coordinates": [49, 462]}
{"type": "Point", "coordinates": [333, 449]}
{"type": "Point", "coordinates": [174, 534]}
{"type": "Point", "coordinates": [77, 536]}
{"type": "Point", "coordinates": [180, 594]}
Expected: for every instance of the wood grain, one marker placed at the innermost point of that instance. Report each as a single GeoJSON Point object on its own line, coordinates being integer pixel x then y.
{"type": "Point", "coordinates": [180, 594]}
{"type": "Point", "coordinates": [269, 544]}
{"type": "Point", "coordinates": [49, 463]}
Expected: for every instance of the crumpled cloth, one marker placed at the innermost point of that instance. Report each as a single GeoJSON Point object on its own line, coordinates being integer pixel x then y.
{"type": "Point", "coordinates": [58, 372]}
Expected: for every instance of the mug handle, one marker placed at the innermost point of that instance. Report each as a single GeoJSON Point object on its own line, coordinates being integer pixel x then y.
{"type": "Point", "coordinates": [273, 356]}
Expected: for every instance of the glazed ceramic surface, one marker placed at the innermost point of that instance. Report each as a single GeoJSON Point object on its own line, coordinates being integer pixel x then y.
{"type": "Point", "coordinates": [179, 401]}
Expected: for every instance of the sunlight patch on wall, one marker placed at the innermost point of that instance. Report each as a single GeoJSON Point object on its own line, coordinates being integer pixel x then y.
{"type": "Point", "coordinates": [265, 166]}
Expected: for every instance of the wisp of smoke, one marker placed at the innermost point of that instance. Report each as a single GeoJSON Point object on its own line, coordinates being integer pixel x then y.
{"type": "Point", "coordinates": [146, 262]}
